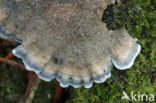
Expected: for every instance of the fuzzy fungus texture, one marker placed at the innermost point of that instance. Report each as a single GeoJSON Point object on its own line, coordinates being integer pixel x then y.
{"type": "Point", "coordinates": [66, 39]}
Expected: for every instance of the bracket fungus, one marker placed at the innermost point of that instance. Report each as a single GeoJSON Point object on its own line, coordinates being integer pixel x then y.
{"type": "Point", "coordinates": [66, 39]}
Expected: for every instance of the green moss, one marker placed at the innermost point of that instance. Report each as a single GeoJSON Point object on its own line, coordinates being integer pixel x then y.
{"type": "Point", "coordinates": [13, 84]}
{"type": "Point", "coordinates": [45, 92]}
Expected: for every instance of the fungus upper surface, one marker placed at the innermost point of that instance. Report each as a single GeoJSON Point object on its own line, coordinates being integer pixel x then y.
{"type": "Point", "coordinates": [66, 39]}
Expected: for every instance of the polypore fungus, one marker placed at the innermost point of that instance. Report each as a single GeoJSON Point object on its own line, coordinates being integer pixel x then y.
{"type": "Point", "coordinates": [66, 39]}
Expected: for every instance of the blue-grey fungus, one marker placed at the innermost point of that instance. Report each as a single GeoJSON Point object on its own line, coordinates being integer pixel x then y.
{"type": "Point", "coordinates": [66, 40]}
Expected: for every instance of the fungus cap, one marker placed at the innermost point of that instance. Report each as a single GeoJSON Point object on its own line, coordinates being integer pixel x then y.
{"type": "Point", "coordinates": [66, 40]}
